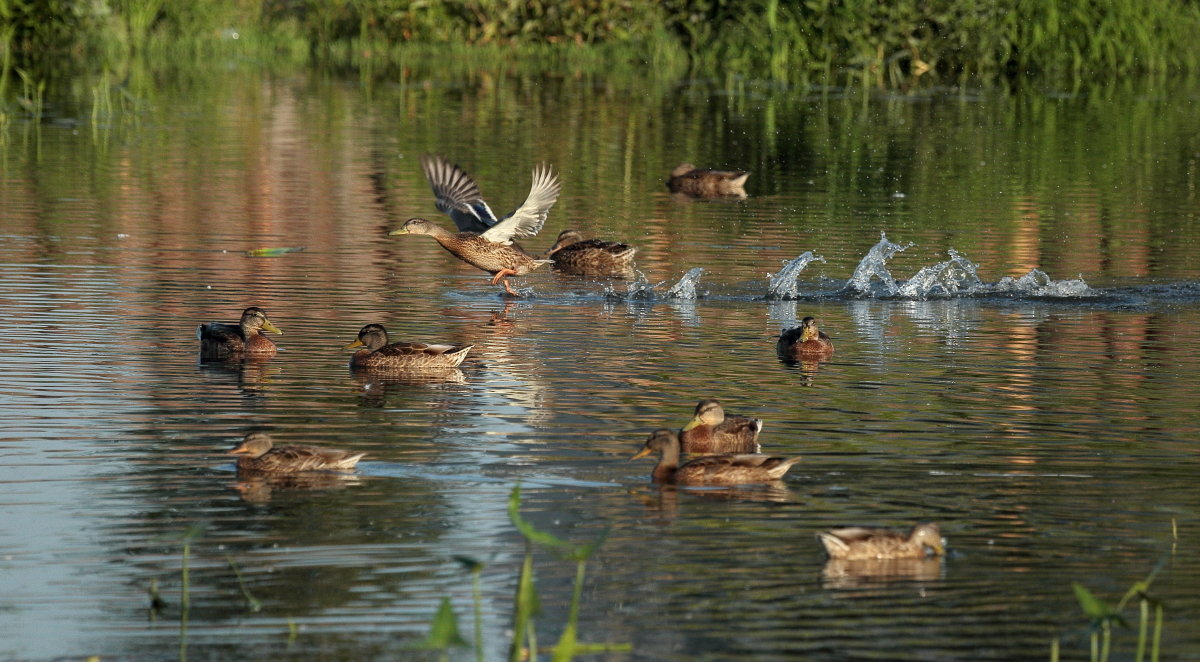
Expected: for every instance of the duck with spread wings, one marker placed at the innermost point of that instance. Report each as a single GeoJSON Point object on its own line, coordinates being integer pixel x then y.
{"type": "Point", "coordinates": [484, 241]}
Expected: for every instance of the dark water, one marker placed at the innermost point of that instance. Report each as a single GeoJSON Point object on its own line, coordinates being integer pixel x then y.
{"type": "Point", "coordinates": [1049, 425]}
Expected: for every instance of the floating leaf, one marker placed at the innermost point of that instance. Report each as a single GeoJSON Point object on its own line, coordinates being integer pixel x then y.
{"type": "Point", "coordinates": [274, 252]}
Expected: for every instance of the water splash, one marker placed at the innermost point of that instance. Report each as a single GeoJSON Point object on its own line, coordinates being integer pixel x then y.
{"type": "Point", "coordinates": [639, 289]}
{"type": "Point", "coordinates": [1037, 283]}
{"type": "Point", "coordinates": [686, 287]}
{"type": "Point", "coordinates": [958, 275]}
{"type": "Point", "coordinates": [874, 265]}
{"type": "Point", "coordinates": [642, 290]}
{"type": "Point", "coordinates": [785, 284]}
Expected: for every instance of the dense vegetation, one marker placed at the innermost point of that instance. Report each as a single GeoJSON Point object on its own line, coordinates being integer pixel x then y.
{"type": "Point", "coordinates": [891, 43]}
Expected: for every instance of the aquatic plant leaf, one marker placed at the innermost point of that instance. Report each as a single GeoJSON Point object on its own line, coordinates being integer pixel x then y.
{"type": "Point", "coordinates": [527, 606]}
{"type": "Point", "coordinates": [584, 552]}
{"type": "Point", "coordinates": [274, 251]}
{"type": "Point", "coordinates": [567, 647]}
{"type": "Point", "coordinates": [531, 534]}
{"type": "Point", "coordinates": [443, 633]}
{"type": "Point", "coordinates": [564, 548]}
{"type": "Point", "coordinates": [1094, 607]}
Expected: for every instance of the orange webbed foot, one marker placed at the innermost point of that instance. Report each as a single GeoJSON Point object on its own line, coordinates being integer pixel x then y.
{"type": "Point", "coordinates": [501, 274]}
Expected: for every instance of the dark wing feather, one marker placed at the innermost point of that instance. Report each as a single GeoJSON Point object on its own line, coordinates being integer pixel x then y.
{"type": "Point", "coordinates": [457, 194]}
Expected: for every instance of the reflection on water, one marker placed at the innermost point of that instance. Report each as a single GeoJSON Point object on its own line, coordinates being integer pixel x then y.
{"type": "Point", "coordinates": [1029, 386]}
{"type": "Point", "coordinates": [863, 575]}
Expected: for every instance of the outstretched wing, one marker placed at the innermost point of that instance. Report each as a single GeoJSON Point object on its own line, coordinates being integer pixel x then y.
{"type": "Point", "coordinates": [527, 220]}
{"type": "Point", "coordinates": [457, 194]}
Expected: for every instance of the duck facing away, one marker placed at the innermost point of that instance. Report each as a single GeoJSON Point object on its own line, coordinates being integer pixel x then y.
{"type": "Point", "coordinates": [245, 337]}
{"type": "Point", "coordinates": [712, 431]}
{"type": "Point", "coordinates": [492, 250]}
{"type": "Point", "coordinates": [573, 254]}
{"type": "Point", "coordinates": [703, 183]}
{"type": "Point", "coordinates": [723, 469]}
{"type": "Point", "coordinates": [257, 453]}
{"type": "Point", "coordinates": [804, 341]}
{"type": "Point", "coordinates": [375, 352]}
{"type": "Point", "coordinates": [860, 544]}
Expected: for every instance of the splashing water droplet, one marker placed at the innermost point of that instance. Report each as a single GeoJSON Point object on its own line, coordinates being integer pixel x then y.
{"type": "Point", "coordinates": [1038, 283]}
{"type": "Point", "coordinates": [785, 285]}
{"type": "Point", "coordinates": [952, 277]}
{"type": "Point", "coordinates": [874, 265]}
{"type": "Point", "coordinates": [686, 287]}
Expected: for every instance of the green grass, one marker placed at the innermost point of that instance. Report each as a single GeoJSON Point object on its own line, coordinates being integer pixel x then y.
{"type": "Point", "coordinates": [894, 44]}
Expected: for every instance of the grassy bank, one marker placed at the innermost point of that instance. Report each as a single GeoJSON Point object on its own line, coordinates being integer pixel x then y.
{"type": "Point", "coordinates": [878, 43]}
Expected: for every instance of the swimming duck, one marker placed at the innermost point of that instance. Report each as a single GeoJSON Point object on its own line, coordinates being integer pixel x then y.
{"type": "Point", "coordinates": [858, 544]}
{"type": "Point", "coordinates": [723, 469]}
{"type": "Point", "coordinates": [703, 183]}
{"type": "Point", "coordinates": [245, 337]}
{"type": "Point", "coordinates": [258, 454]}
{"type": "Point", "coordinates": [804, 341]}
{"type": "Point", "coordinates": [591, 257]}
{"type": "Point", "coordinates": [712, 431]}
{"type": "Point", "coordinates": [377, 353]}
{"type": "Point", "coordinates": [492, 250]}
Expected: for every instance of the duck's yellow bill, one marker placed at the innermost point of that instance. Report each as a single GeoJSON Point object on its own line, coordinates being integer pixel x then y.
{"type": "Point", "coordinates": [356, 343]}
{"type": "Point", "coordinates": [640, 454]}
{"type": "Point", "coordinates": [267, 326]}
{"type": "Point", "coordinates": [692, 423]}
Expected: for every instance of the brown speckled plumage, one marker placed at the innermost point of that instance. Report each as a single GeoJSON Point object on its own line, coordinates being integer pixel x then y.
{"type": "Point", "coordinates": [804, 342]}
{"type": "Point", "coordinates": [723, 469]}
{"type": "Point", "coordinates": [257, 453]}
{"type": "Point", "coordinates": [711, 430]}
{"type": "Point", "coordinates": [858, 543]}
{"type": "Point", "coordinates": [573, 254]}
{"type": "Point", "coordinates": [703, 183]}
{"type": "Point", "coordinates": [218, 340]}
{"type": "Point", "coordinates": [491, 250]}
{"type": "Point", "coordinates": [376, 352]}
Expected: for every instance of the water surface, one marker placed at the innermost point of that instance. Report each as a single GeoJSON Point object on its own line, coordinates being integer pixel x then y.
{"type": "Point", "coordinates": [1049, 426]}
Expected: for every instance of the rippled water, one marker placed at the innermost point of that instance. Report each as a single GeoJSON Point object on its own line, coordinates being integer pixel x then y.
{"type": "Point", "coordinates": [1022, 372]}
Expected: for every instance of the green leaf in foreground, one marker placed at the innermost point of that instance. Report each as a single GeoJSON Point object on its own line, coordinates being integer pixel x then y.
{"type": "Point", "coordinates": [564, 548]}
{"type": "Point", "coordinates": [443, 633]}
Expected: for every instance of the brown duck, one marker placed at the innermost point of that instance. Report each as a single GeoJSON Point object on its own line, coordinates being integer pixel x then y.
{"type": "Point", "coordinates": [573, 254]}
{"type": "Point", "coordinates": [258, 454]}
{"type": "Point", "coordinates": [712, 431]}
{"type": "Point", "coordinates": [859, 544]}
{"type": "Point", "coordinates": [723, 469]}
{"type": "Point", "coordinates": [702, 183]}
{"type": "Point", "coordinates": [245, 337]}
{"type": "Point", "coordinates": [491, 249]}
{"type": "Point", "coordinates": [804, 342]}
{"type": "Point", "coordinates": [375, 352]}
